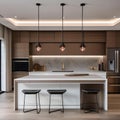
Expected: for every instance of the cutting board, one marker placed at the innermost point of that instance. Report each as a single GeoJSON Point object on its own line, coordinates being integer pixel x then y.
{"type": "Point", "coordinates": [77, 74]}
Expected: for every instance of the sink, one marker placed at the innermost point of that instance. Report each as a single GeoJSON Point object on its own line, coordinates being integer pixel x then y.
{"type": "Point", "coordinates": [62, 71]}
{"type": "Point", "coordinates": [77, 74]}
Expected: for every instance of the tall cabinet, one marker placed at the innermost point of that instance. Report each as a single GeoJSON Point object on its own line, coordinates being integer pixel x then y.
{"type": "Point", "coordinates": [20, 50]}
{"type": "Point", "coordinates": [113, 41]}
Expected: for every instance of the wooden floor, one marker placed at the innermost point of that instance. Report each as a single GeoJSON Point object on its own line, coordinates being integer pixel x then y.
{"type": "Point", "coordinates": [7, 111]}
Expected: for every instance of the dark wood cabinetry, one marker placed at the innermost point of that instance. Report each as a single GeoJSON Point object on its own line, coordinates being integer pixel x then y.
{"type": "Point", "coordinates": [114, 84]}
{"type": "Point", "coordinates": [24, 43]}
{"type": "Point", "coordinates": [50, 41]}
{"type": "Point", "coordinates": [43, 36]}
{"type": "Point", "coordinates": [20, 44]}
{"type": "Point", "coordinates": [20, 50]}
{"type": "Point", "coordinates": [112, 39]}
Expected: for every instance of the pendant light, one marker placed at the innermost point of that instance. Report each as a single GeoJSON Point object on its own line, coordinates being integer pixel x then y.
{"type": "Point", "coordinates": [82, 46]}
{"type": "Point", "coordinates": [38, 46]}
{"type": "Point", "coordinates": [62, 46]}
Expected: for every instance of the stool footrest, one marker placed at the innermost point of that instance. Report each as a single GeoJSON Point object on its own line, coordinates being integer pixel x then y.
{"type": "Point", "coordinates": [38, 111]}
{"type": "Point", "coordinates": [56, 110]}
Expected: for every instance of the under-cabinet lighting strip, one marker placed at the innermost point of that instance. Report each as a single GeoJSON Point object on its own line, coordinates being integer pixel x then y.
{"type": "Point", "coordinates": [67, 56]}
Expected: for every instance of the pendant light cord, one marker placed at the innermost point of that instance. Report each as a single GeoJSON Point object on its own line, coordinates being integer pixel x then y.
{"type": "Point", "coordinates": [62, 4]}
{"type": "Point", "coordinates": [82, 25]}
{"type": "Point", "coordinates": [38, 23]}
{"type": "Point", "coordinates": [62, 22]}
{"type": "Point", "coordinates": [38, 4]}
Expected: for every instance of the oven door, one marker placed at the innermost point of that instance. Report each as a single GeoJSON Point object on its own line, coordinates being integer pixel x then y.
{"type": "Point", "coordinates": [20, 65]}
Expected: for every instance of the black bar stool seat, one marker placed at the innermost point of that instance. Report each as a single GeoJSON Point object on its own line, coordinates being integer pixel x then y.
{"type": "Point", "coordinates": [32, 92]}
{"type": "Point", "coordinates": [56, 92]}
{"type": "Point", "coordinates": [62, 91]}
{"type": "Point", "coordinates": [86, 106]}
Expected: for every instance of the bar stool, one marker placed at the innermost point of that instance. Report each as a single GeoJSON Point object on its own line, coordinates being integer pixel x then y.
{"type": "Point", "coordinates": [32, 92]}
{"type": "Point", "coordinates": [86, 106]}
{"type": "Point", "coordinates": [56, 92]}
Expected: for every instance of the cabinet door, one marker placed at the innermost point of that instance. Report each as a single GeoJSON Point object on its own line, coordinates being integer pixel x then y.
{"type": "Point", "coordinates": [16, 37]}
{"type": "Point", "coordinates": [24, 37]}
{"type": "Point", "coordinates": [20, 50]}
{"type": "Point", "coordinates": [111, 39]}
{"type": "Point", "coordinates": [118, 39]}
{"type": "Point", "coordinates": [43, 37]}
{"type": "Point", "coordinates": [93, 36]}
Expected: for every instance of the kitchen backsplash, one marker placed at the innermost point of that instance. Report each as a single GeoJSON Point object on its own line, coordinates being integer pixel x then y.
{"type": "Point", "coordinates": [75, 64]}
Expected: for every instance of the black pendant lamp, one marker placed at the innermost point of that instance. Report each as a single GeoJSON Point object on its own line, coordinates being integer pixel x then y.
{"type": "Point", "coordinates": [82, 46]}
{"type": "Point", "coordinates": [38, 46]}
{"type": "Point", "coordinates": [62, 46]}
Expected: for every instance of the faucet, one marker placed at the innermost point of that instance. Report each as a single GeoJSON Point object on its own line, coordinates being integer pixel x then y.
{"type": "Point", "coordinates": [63, 66]}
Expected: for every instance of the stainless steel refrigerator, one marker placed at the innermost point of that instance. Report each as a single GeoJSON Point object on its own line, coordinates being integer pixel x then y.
{"type": "Point", "coordinates": [113, 70]}
{"type": "Point", "coordinates": [113, 61]}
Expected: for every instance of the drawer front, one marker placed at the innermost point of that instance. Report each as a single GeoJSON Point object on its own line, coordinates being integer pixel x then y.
{"type": "Point", "coordinates": [113, 85]}
{"type": "Point", "coordinates": [114, 80]}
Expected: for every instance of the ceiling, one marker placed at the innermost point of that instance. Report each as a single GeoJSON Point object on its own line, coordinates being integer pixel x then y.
{"type": "Point", "coordinates": [98, 14]}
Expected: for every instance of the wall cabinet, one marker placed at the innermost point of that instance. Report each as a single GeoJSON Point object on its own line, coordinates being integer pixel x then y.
{"type": "Point", "coordinates": [20, 50]}
{"type": "Point", "coordinates": [71, 49]}
{"type": "Point", "coordinates": [21, 37]}
{"type": "Point", "coordinates": [95, 44]}
{"type": "Point", "coordinates": [50, 40]}
{"type": "Point", "coordinates": [112, 39]}
{"type": "Point", "coordinates": [43, 36]}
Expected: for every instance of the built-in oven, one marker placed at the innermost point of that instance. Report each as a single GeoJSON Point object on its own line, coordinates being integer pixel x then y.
{"type": "Point", "coordinates": [114, 84]}
{"type": "Point", "coordinates": [20, 64]}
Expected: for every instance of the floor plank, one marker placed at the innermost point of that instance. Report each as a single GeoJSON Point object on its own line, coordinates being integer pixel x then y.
{"type": "Point", "coordinates": [7, 112]}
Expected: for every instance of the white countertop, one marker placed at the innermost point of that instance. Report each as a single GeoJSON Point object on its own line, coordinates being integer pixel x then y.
{"type": "Point", "coordinates": [58, 76]}
{"type": "Point", "coordinates": [103, 73]}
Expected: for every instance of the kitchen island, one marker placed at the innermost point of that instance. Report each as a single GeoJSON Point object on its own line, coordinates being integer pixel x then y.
{"type": "Point", "coordinates": [70, 81]}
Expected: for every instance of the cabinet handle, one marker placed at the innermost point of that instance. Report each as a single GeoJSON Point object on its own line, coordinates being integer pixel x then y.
{"type": "Point", "coordinates": [113, 85]}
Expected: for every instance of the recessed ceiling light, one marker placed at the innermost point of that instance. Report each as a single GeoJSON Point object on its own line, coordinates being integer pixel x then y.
{"type": "Point", "coordinates": [15, 17]}
{"type": "Point", "coordinates": [114, 16]}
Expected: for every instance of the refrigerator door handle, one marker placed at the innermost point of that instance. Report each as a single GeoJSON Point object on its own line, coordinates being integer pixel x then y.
{"type": "Point", "coordinates": [116, 61]}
